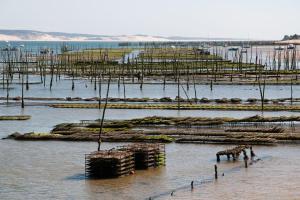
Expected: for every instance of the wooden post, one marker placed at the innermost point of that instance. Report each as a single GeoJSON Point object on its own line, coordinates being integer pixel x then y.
{"type": "Point", "coordinates": [22, 104]}
{"type": "Point", "coordinates": [218, 158]}
{"type": "Point", "coordinates": [216, 172]}
{"type": "Point", "coordinates": [245, 158]}
{"type": "Point", "coordinates": [228, 156]}
{"type": "Point", "coordinates": [252, 154]}
{"type": "Point", "coordinates": [246, 162]}
{"type": "Point", "coordinates": [291, 91]}
{"type": "Point", "coordinates": [233, 157]}
{"type": "Point", "coordinates": [178, 89]}
{"type": "Point", "coordinates": [245, 153]}
{"type": "Point", "coordinates": [103, 113]}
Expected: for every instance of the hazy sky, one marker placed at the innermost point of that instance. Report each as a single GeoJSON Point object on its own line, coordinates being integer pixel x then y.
{"type": "Point", "coordinates": [249, 19]}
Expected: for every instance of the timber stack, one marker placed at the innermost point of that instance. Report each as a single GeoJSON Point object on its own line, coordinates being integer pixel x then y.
{"type": "Point", "coordinates": [124, 160]}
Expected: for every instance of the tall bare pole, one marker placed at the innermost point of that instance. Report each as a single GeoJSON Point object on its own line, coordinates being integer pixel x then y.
{"type": "Point", "coordinates": [103, 113]}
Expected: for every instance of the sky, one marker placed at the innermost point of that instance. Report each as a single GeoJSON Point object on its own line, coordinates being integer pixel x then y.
{"type": "Point", "coordinates": [247, 19]}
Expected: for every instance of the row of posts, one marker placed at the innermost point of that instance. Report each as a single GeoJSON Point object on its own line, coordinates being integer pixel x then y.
{"type": "Point", "coordinates": [246, 158]}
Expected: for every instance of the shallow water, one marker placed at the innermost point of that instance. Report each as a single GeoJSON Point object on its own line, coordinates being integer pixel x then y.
{"type": "Point", "coordinates": [44, 118]}
{"type": "Point", "coordinates": [55, 170]}
{"type": "Point", "coordinates": [84, 89]}
{"type": "Point", "coordinates": [275, 177]}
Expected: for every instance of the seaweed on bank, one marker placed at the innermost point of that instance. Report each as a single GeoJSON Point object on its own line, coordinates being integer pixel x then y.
{"type": "Point", "coordinates": [15, 117]}
{"type": "Point", "coordinates": [176, 129]}
{"type": "Point", "coordinates": [222, 104]}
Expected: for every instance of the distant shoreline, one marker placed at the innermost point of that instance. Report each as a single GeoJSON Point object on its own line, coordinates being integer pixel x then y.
{"type": "Point", "coordinates": [39, 36]}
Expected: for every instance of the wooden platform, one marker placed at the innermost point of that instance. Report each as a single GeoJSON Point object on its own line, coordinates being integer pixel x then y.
{"type": "Point", "coordinates": [234, 152]}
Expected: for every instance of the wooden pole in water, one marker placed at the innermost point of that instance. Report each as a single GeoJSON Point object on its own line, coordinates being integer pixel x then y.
{"type": "Point", "coordinates": [73, 85]}
{"type": "Point", "coordinates": [246, 162]}
{"type": "Point", "coordinates": [195, 91]}
{"type": "Point", "coordinates": [252, 154]}
{"type": "Point", "coordinates": [228, 156]}
{"type": "Point", "coordinates": [103, 113]}
{"type": "Point", "coordinates": [178, 90]}
{"type": "Point", "coordinates": [99, 91]}
{"type": "Point", "coordinates": [245, 158]}
{"type": "Point", "coordinates": [291, 91]}
{"type": "Point", "coordinates": [262, 87]}
{"type": "Point", "coordinates": [51, 71]}
{"type": "Point", "coordinates": [22, 103]}
{"type": "Point", "coordinates": [216, 172]}
{"type": "Point", "coordinates": [27, 80]}
{"type": "Point", "coordinates": [218, 158]}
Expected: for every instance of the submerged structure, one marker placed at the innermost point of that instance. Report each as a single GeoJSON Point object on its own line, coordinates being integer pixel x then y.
{"type": "Point", "coordinates": [124, 160]}
{"type": "Point", "coordinates": [234, 152]}
{"type": "Point", "coordinates": [147, 154]}
{"type": "Point", "coordinates": [109, 164]}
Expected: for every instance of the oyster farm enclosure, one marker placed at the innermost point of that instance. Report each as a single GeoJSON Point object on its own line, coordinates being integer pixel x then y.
{"type": "Point", "coordinates": [149, 120]}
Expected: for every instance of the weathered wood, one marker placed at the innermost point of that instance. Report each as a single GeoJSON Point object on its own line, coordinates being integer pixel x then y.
{"type": "Point", "coordinates": [234, 152]}
{"type": "Point", "coordinates": [124, 160]}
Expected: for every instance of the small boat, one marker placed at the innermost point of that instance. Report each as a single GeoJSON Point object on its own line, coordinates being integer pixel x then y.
{"type": "Point", "coordinates": [202, 51]}
{"type": "Point", "coordinates": [244, 50]}
{"type": "Point", "coordinates": [205, 46]}
{"type": "Point", "coordinates": [44, 51]}
{"type": "Point", "coordinates": [290, 46]}
{"type": "Point", "coordinates": [247, 46]}
{"type": "Point", "coordinates": [233, 49]}
{"type": "Point", "coordinates": [280, 48]}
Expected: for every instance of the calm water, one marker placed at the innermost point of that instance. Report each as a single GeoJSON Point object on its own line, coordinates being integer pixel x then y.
{"type": "Point", "coordinates": [35, 46]}
{"type": "Point", "coordinates": [84, 88]}
{"type": "Point", "coordinates": [44, 118]}
{"type": "Point", "coordinates": [55, 170]}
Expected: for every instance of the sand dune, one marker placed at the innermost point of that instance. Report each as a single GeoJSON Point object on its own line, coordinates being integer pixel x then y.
{"type": "Point", "coordinates": [30, 35]}
{"type": "Point", "coordinates": [26, 35]}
